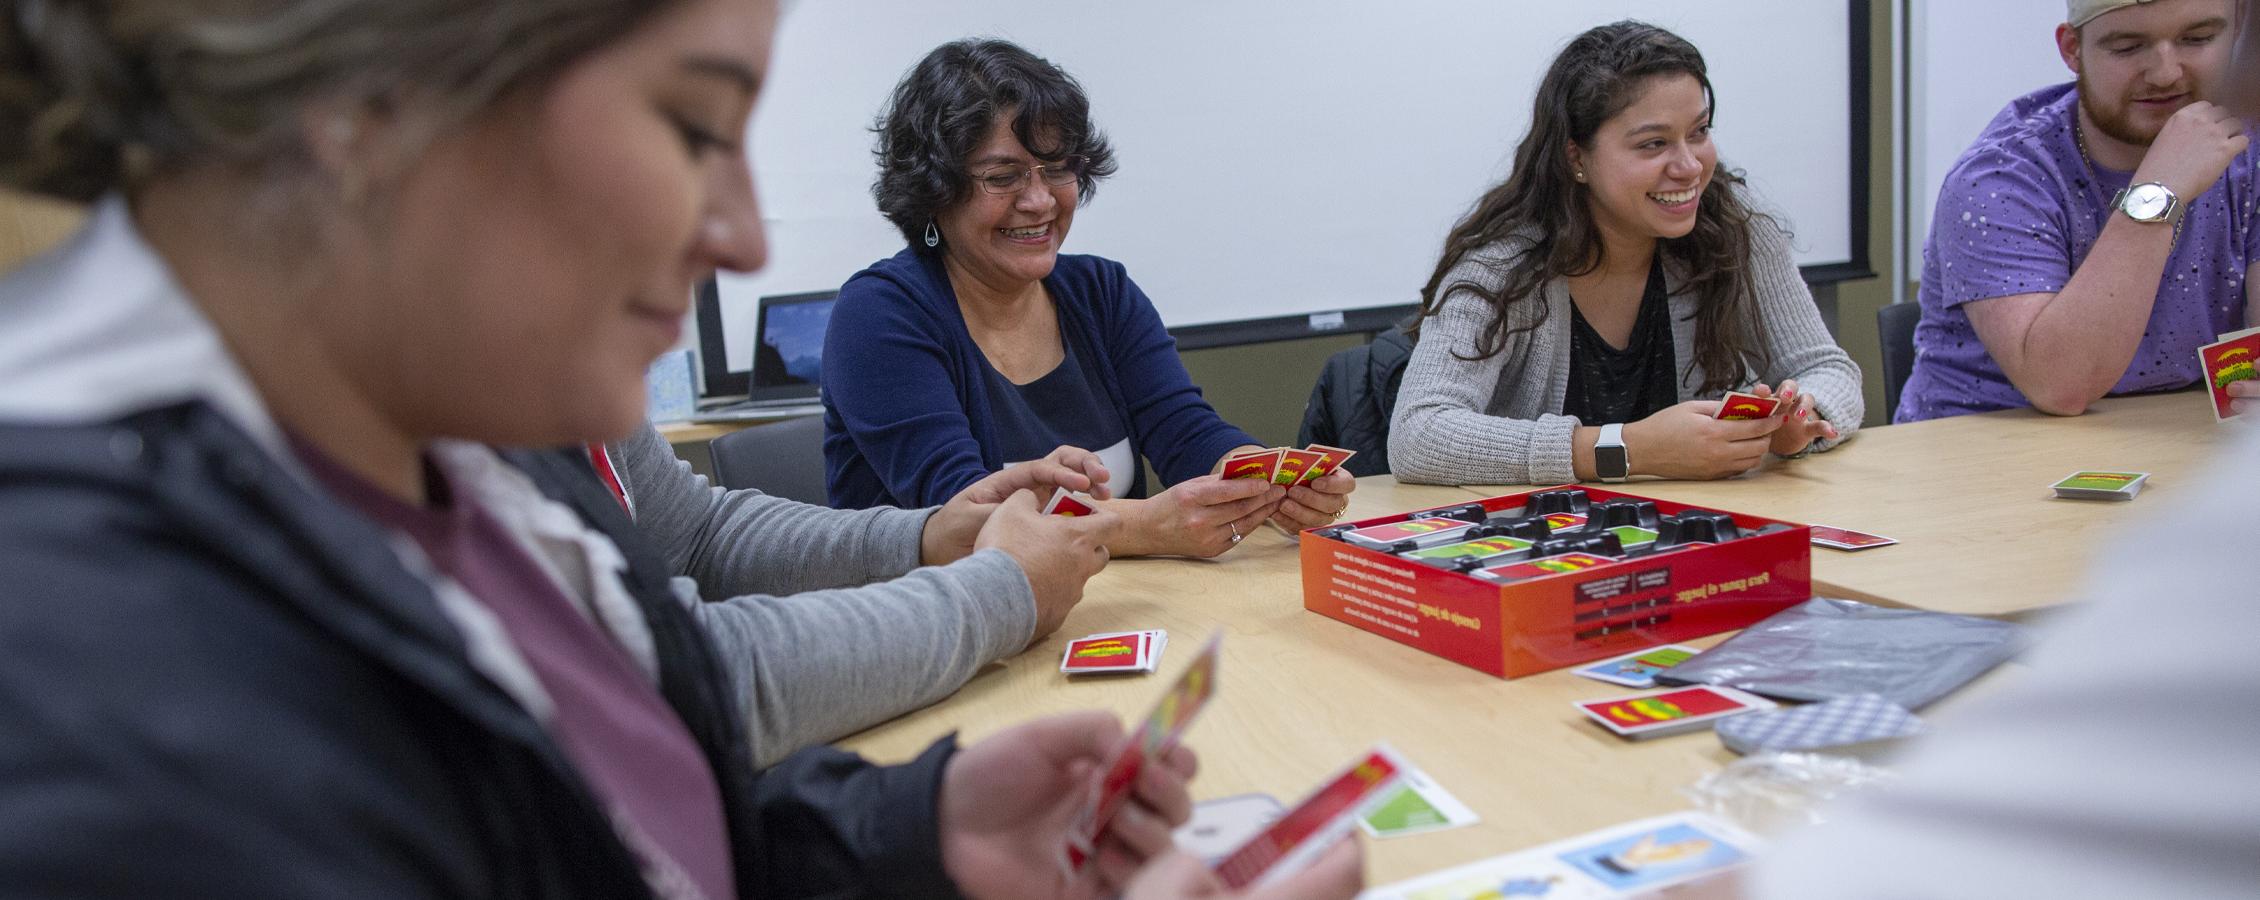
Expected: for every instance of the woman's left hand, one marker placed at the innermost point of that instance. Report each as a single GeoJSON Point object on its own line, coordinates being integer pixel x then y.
{"type": "Point", "coordinates": [1316, 503]}
{"type": "Point", "coordinates": [2245, 397]}
{"type": "Point", "coordinates": [1801, 423]}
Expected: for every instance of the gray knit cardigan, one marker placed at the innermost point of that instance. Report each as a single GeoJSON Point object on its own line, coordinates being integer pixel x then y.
{"type": "Point", "coordinates": [1499, 420]}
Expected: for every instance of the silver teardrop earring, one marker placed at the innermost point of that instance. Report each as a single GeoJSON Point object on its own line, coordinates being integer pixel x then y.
{"type": "Point", "coordinates": [933, 236]}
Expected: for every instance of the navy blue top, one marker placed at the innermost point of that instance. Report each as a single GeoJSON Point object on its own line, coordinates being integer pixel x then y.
{"type": "Point", "coordinates": [909, 419]}
{"type": "Point", "coordinates": [1034, 418]}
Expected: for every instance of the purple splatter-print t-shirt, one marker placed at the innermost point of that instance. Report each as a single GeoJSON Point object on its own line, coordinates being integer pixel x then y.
{"type": "Point", "coordinates": [2017, 215]}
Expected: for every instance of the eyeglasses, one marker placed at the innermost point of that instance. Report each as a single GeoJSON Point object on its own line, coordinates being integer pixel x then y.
{"type": "Point", "coordinates": [1012, 178]}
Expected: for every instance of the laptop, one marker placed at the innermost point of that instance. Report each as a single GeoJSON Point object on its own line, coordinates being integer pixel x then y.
{"type": "Point", "coordinates": [788, 353]}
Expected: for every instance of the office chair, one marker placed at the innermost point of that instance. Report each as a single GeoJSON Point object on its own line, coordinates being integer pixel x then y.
{"type": "Point", "coordinates": [784, 459]}
{"type": "Point", "coordinates": [1895, 330]}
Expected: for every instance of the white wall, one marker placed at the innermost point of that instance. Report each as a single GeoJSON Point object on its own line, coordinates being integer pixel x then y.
{"type": "Point", "coordinates": [1278, 157]}
{"type": "Point", "coordinates": [1966, 60]}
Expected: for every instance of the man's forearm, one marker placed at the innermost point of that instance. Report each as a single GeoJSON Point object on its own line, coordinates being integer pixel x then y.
{"type": "Point", "coordinates": [2081, 342]}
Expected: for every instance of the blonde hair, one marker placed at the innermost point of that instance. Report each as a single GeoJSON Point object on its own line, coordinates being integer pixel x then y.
{"type": "Point", "coordinates": [97, 94]}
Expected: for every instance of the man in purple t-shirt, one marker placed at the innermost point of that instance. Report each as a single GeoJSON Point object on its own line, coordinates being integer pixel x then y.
{"type": "Point", "coordinates": [2097, 233]}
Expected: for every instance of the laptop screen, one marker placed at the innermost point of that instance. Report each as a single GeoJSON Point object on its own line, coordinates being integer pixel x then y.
{"type": "Point", "coordinates": [789, 358]}
{"type": "Point", "coordinates": [787, 337]}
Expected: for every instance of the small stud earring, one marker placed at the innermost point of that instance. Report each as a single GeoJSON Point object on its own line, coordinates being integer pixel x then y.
{"type": "Point", "coordinates": [933, 236]}
{"type": "Point", "coordinates": [1581, 176]}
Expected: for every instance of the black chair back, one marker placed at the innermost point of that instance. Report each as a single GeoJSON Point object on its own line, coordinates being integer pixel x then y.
{"type": "Point", "coordinates": [784, 459]}
{"type": "Point", "coordinates": [1895, 329]}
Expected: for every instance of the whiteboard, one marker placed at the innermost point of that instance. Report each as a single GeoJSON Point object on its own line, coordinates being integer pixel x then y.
{"type": "Point", "coordinates": [1279, 158]}
{"type": "Point", "coordinates": [1966, 61]}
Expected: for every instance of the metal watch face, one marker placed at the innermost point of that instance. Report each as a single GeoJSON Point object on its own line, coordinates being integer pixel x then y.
{"type": "Point", "coordinates": [2148, 202]}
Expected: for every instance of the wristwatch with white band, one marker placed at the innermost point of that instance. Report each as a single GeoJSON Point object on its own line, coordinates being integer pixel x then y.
{"type": "Point", "coordinates": [1610, 460]}
{"type": "Point", "coordinates": [2148, 202]}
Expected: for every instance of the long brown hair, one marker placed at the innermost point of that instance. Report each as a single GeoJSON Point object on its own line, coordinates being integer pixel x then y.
{"type": "Point", "coordinates": [1542, 207]}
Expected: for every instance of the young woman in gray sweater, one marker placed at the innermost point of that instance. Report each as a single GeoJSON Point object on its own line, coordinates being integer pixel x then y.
{"type": "Point", "coordinates": [1610, 291]}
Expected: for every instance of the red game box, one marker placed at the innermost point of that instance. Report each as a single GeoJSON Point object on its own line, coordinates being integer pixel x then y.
{"type": "Point", "coordinates": [1544, 621]}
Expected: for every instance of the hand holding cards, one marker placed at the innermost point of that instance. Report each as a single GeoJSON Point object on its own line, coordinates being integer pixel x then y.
{"type": "Point", "coordinates": [1737, 406]}
{"type": "Point", "coordinates": [2225, 363]}
{"type": "Point", "coordinates": [1286, 467]}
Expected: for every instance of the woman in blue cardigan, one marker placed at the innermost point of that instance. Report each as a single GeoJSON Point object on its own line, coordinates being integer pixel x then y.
{"type": "Point", "coordinates": [980, 345]}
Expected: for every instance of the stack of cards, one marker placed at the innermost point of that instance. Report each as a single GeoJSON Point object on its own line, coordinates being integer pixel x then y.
{"type": "Point", "coordinates": [1638, 670]}
{"type": "Point", "coordinates": [1628, 860]}
{"type": "Point", "coordinates": [1115, 652]}
{"type": "Point", "coordinates": [1155, 735]}
{"type": "Point", "coordinates": [2101, 485]}
{"type": "Point", "coordinates": [1298, 838]}
{"type": "Point", "coordinates": [1846, 539]}
{"type": "Point", "coordinates": [1736, 406]}
{"type": "Point", "coordinates": [1286, 466]}
{"type": "Point", "coordinates": [2227, 362]}
{"type": "Point", "coordinates": [1643, 716]}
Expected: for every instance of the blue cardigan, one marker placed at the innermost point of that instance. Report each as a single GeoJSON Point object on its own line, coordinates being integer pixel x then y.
{"type": "Point", "coordinates": [906, 422]}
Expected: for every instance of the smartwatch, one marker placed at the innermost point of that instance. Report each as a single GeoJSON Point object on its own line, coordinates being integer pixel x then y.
{"type": "Point", "coordinates": [1610, 460]}
{"type": "Point", "coordinates": [2147, 202]}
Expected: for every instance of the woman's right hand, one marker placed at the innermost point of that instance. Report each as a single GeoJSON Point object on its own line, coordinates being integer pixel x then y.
{"type": "Point", "coordinates": [1198, 517]}
{"type": "Point", "coordinates": [1686, 441]}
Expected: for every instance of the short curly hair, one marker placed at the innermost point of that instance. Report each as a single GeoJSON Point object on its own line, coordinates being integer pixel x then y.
{"type": "Point", "coordinates": [942, 110]}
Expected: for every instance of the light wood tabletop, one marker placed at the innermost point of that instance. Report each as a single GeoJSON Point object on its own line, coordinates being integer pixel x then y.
{"type": "Point", "coordinates": [1968, 499]}
{"type": "Point", "coordinates": [1300, 694]}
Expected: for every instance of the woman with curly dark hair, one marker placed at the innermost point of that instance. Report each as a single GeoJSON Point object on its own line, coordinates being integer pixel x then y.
{"type": "Point", "coordinates": [980, 344]}
{"type": "Point", "coordinates": [1589, 312]}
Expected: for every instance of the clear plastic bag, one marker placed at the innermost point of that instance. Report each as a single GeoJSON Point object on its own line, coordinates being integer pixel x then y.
{"type": "Point", "coordinates": [1771, 792]}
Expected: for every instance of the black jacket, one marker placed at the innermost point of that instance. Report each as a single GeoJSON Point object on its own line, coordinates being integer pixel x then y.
{"type": "Point", "coordinates": [1354, 398]}
{"type": "Point", "coordinates": [214, 683]}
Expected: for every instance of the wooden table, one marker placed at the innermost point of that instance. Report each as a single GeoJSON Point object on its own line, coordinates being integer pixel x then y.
{"type": "Point", "coordinates": [1968, 498]}
{"type": "Point", "coordinates": [1301, 694]}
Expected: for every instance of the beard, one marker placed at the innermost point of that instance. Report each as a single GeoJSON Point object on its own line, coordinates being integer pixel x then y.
{"type": "Point", "coordinates": [2118, 122]}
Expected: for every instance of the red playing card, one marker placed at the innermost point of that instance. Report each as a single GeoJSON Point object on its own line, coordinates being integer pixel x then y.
{"type": "Point", "coordinates": [1065, 503]}
{"type": "Point", "coordinates": [1122, 652]}
{"type": "Point", "coordinates": [2224, 364]}
{"type": "Point", "coordinates": [1737, 405]}
{"type": "Point", "coordinates": [1409, 528]}
{"type": "Point", "coordinates": [1330, 458]}
{"type": "Point", "coordinates": [1671, 712]}
{"type": "Point", "coordinates": [1547, 565]}
{"type": "Point", "coordinates": [1564, 521]}
{"type": "Point", "coordinates": [1260, 464]}
{"type": "Point", "coordinates": [1295, 466]}
{"type": "Point", "coordinates": [1847, 539]}
{"type": "Point", "coordinates": [1295, 839]}
{"type": "Point", "coordinates": [1154, 736]}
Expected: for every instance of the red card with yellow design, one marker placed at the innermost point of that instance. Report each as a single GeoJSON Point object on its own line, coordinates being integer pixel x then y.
{"type": "Point", "coordinates": [1261, 464]}
{"type": "Point", "coordinates": [2227, 363]}
{"type": "Point", "coordinates": [1295, 466]}
{"type": "Point", "coordinates": [1330, 458]}
{"type": "Point", "coordinates": [1671, 712]}
{"type": "Point", "coordinates": [1120, 652]}
{"type": "Point", "coordinates": [1737, 405]}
